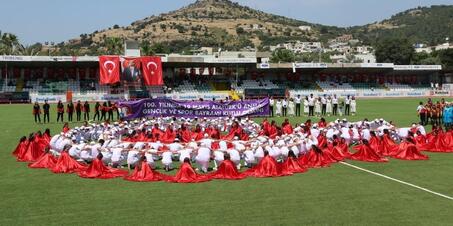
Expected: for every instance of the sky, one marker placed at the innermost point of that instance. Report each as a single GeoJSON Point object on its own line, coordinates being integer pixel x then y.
{"type": "Point", "coordinates": [59, 20]}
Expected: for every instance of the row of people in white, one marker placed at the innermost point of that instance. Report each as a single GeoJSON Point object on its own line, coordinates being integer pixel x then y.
{"type": "Point", "coordinates": [323, 105]}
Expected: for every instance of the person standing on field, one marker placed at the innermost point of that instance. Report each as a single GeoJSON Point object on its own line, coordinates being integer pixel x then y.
{"type": "Point", "coordinates": [37, 112]}
{"type": "Point", "coordinates": [97, 108]}
{"type": "Point", "coordinates": [297, 100]}
{"type": "Point", "coordinates": [46, 108]}
{"type": "Point", "coordinates": [70, 110]}
{"type": "Point", "coordinates": [311, 105]}
{"type": "Point", "coordinates": [78, 109]}
{"type": "Point", "coordinates": [335, 104]}
{"type": "Point", "coordinates": [86, 111]}
{"type": "Point", "coordinates": [271, 106]}
{"type": "Point", "coordinates": [60, 111]}
{"type": "Point", "coordinates": [421, 111]}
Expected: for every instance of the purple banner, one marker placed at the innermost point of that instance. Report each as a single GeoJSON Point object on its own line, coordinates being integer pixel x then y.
{"type": "Point", "coordinates": [193, 109]}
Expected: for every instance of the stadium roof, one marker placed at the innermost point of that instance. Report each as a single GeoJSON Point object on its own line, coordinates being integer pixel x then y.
{"type": "Point", "coordinates": [202, 60]}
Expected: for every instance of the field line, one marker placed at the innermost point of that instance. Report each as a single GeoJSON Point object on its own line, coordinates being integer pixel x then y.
{"type": "Point", "coordinates": [399, 181]}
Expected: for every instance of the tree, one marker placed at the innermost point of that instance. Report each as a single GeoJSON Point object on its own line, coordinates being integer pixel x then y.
{"type": "Point", "coordinates": [240, 31]}
{"type": "Point", "coordinates": [146, 49]}
{"type": "Point", "coordinates": [114, 45]}
{"type": "Point", "coordinates": [283, 56]}
{"type": "Point", "coordinates": [424, 58]}
{"type": "Point", "coordinates": [394, 50]}
{"type": "Point", "coordinates": [445, 57]}
{"type": "Point", "coordinates": [9, 43]}
{"type": "Point", "coordinates": [30, 50]}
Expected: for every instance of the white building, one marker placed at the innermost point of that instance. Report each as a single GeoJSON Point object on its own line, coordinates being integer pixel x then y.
{"type": "Point", "coordinates": [368, 58]}
{"type": "Point", "coordinates": [299, 47]}
{"type": "Point", "coordinates": [305, 28]}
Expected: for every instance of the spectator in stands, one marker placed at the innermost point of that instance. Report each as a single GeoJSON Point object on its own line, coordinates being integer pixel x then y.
{"type": "Point", "coordinates": [70, 110]}
{"type": "Point", "coordinates": [347, 107]}
{"type": "Point", "coordinates": [323, 105]}
{"type": "Point", "coordinates": [311, 105]}
{"type": "Point", "coordinates": [335, 104]}
{"type": "Point", "coordinates": [60, 111]}
{"type": "Point", "coordinates": [297, 101]}
{"type": "Point", "coordinates": [37, 112]}
{"type": "Point", "coordinates": [97, 107]}
{"type": "Point", "coordinates": [86, 111]}
{"type": "Point", "coordinates": [46, 108]}
{"type": "Point", "coordinates": [78, 109]}
{"type": "Point", "coordinates": [285, 107]}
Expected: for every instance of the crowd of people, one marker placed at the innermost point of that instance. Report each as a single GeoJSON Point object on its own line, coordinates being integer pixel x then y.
{"type": "Point", "coordinates": [207, 149]}
{"type": "Point", "coordinates": [325, 105]}
{"type": "Point", "coordinates": [104, 111]}
{"type": "Point", "coordinates": [431, 112]}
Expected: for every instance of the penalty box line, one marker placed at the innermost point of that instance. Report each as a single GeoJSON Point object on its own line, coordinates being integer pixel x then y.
{"type": "Point", "coordinates": [399, 181]}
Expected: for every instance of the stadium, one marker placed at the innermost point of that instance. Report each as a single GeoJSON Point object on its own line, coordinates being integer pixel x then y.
{"type": "Point", "coordinates": [214, 76]}
{"type": "Point", "coordinates": [225, 135]}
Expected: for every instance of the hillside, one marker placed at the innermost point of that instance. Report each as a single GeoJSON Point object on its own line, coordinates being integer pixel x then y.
{"type": "Point", "coordinates": [430, 25]}
{"type": "Point", "coordinates": [222, 23]}
{"type": "Point", "coordinates": [218, 23]}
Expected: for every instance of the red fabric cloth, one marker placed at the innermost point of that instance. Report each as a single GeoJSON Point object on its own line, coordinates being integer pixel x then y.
{"type": "Point", "coordinates": [409, 151]}
{"type": "Point", "coordinates": [97, 170]}
{"type": "Point", "coordinates": [20, 148]}
{"type": "Point", "coordinates": [336, 152]}
{"type": "Point", "coordinates": [33, 152]}
{"type": "Point", "coordinates": [144, 173]}
{"type": "Point", "coordinates": [315, 160]}
{"type": "Point", "coordinates": [388, 146]}
{"type": "Point", "coordinates": [322, 141]}
{"type": "Point", "coordinates": [437, 143]}
{"type": "Point", "coordinates": [66, 164]}
{"type": "Point", "coordinates": [367, 154]}
{"type": "Point", "coordinates": [292, 165]}
{"type": "Point", "coordinates": [197, 135]}
{"type": "Point", "coordinates": [186, 174]}
{"type": "Point", "coordinates": [287, 129]}
{"type": "Point", "coordinates": [47, 160]}
{"type": "Point", "coordinates": [186, 135]}
{"type": "Point", "coordinates": [227, 171]}
{"type": "Point", "coordinates": [169, 136]}
{"type": "Point", "coordinates": [267, 167]}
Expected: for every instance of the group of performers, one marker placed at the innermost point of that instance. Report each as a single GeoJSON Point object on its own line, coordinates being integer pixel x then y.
{"type": "Point", "coordinates": [431, 113]}
{"type": "Point", "coordinates": [104, 111]}
{"type": "Point", "coordinates": [324, 105]}
{"type": "Point", "coordinates": [226, 144]}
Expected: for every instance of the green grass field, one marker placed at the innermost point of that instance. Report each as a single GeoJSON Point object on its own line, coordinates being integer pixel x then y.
{"type": "Point", "coordinates": [339, 195]}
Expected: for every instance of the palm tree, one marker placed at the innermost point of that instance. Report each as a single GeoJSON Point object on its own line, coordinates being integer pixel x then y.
{"type": "Point", "coordinates": [30, 50]}
{"type": "Point", "coordinates": [9, 43]}
{"type": "Point", "coordinates": [114, 45]}
{"type": "Point", "coordinates": [146, 49]}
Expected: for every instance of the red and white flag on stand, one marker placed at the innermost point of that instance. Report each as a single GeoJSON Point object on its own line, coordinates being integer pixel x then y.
{"type": "Point", "coordinates": [109, 69]}
{"type": "Point", "coordinates": [152, 71]}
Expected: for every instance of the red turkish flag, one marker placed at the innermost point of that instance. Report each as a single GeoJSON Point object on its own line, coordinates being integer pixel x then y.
{"type": "Point", "coordinates": [152, 71]}
{"type": "Point", "coordinates": [109, 69]}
